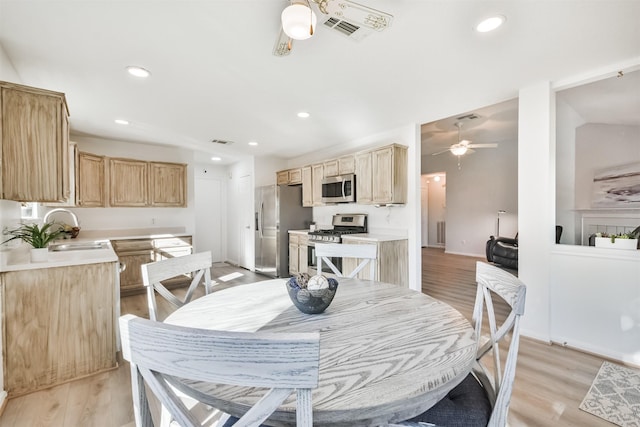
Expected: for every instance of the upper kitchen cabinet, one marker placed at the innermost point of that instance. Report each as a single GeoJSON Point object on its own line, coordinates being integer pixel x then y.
{"type": "Point", "coordinates": [35, 144]}
{"type": "Point", "coordinates": [128, 182]}
{"type": "Point", "coordinates": [331, 167]}
{"type": "Point", "coordinates": [90, 180]}
{"type": "Point", "coordinates": [364, 178]}
{"type": "Point", "coordinates": [347, 164]}
{"type": "Point", "coordinates": [389, 165]}
{"type": "Point", "coordinates": [307, 187]}
{"type": "Point", "coordinates": [289, 177]}
{"type": "Point", "coordinates": [168, 184]}
{"type": "Point", "coordinates": [317, 174]}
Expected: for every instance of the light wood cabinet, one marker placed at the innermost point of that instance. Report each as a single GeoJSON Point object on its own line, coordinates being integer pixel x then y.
{"type": "Point", "coordinates": [347, 164]}
{"type": "Point", "coordinates": [298, 253]}
{"type": "Point", "coordinates": [128, 182]}
{"type": "Point", "coordinates": [391, 265]}
{"type": "Point", "coordinates": [282, 177]}
{"type": "Point", "coordinates": [389, 165]}
{"type": "Point", "coordinates": [90, 180]}
{"type": "Point", "coordinates": [133, 253]}
{"type": "Point", "coordinates": [307, 186]}
{"type": "Point", "coordinates": [364, 178]}
{"type": "Point", "coordinates": [59, 325]}
{"type": "Point", "coordinates": [330, 167]}
{"type": "Point", "coordinates": [34, 136]}
{"type": "Point", "coordinates": [289, 177]}
{"type": "Point", "coordinates": [317, 174]}
{"type": "Point", "coordinates": [168, 186]}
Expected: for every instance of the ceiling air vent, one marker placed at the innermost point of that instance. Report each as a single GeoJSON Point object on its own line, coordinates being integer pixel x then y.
{"type": "Point", "coordinates": [344, 27]}
{"type": "Point", "coordinates": [471, 116]}
{"type": "Point", "coordinates": [221, 141]}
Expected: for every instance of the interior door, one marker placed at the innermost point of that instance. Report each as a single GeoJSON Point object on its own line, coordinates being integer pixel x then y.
{"type": "Point", "coordinates": [210, 234]}
{"type": "Point", "coordinates": [245, 201]}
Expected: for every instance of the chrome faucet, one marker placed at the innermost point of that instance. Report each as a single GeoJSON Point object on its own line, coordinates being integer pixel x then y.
{"type": "Point", "coordinates": [52, 211]}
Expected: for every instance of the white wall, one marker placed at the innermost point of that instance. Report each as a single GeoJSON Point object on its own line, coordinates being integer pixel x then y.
{"type": "Point", "coordinates": [265, 169]}
{"type": "Point", "coordinates": [536, 203]}
{"type": "Point", "coordinates": [486, 182]}
{"type": "Point", "coordinates": [437, 207]}
{"type": "Point", "coordinates": [566, 123]}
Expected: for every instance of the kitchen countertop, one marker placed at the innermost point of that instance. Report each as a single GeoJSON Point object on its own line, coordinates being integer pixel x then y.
{"type": "Point", "coordinates": [372, 237]}
{"type": "Point", "coordinates": [19, 258]}
{"type": "Point", "coordinates": [298, 231]}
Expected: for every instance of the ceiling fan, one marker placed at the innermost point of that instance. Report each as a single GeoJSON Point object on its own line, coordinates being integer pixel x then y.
{"type": "Point", "coordinates": [350, 19]}
{"type": "Point", "coordinates": [463, 146]}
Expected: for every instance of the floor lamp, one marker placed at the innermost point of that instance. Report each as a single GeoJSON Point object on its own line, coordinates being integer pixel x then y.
{"type": "Point", "coordinates": [498, 222]}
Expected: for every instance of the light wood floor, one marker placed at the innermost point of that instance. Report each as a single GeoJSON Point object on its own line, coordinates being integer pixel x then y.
{"type": "Point", "coordinates": [550, 380]}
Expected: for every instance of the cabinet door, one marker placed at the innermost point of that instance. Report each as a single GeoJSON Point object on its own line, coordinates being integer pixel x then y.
{"type": "Point", "coordinates": [303, 253]}
{"type": "Point", "coordinates": [35, 146]}
{"type": "Point", "coordinates": [383, 177]}
{"type": "Point", "coordinates": [364, 193]}
{"type": "Point", "coordinates": [331, 168]}
{"type": "Point", "coordinates": [168, 184]}
{"type": "Point", "coordinates": [295, 176]}
{"type": "Point", "coordinates": [390, 174]}
{"type": "Point", "coordinates": [307, 187]}
{"type": "Point", "coordinates": [131, 276]}
{"type": "Point", "coordinates": [282, 177]}
{"type": "Point", "coordinates": [346, 164]}
{"type": "Point", "coordinates": [90, 183]}
{"type": "Point", "coordinates": [293, 258]}
{"type": "Point", "coordinates": [129, 182]}
{"type": "Point", "coordinates": [317, 174]}
{"type": "Point", "coordinates": [58, 325]}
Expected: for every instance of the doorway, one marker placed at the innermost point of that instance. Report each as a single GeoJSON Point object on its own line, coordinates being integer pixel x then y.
{"type": "Point", "coordinates": [433, 209]}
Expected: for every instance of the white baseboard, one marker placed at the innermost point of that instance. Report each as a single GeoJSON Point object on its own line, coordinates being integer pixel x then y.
{"type": "Point", "coordinates": [465, 254]}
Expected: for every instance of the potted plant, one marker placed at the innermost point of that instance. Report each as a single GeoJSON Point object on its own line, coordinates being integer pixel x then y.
{"type": "Point", "coordinates": [618, 241]}
{"type": "Point", "coordinates": [38, 237]}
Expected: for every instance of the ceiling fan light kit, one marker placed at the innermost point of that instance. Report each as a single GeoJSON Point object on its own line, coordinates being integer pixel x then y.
{"type": "Point", "coordinates": [298, 21]}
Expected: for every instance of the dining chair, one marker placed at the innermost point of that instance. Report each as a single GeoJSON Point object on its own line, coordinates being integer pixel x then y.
{"type": "Point", "coordinates": [483, 397]}
{"type": "Point", "coordinates": [365, 253]}
{"type": "Point", "coordinates": [160, 354]}
{"type": "Point", "coordinates": [154, 273]}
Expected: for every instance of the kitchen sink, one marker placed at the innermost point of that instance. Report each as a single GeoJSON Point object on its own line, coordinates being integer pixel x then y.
{"type": "Point", "coordinates": [80, 246]}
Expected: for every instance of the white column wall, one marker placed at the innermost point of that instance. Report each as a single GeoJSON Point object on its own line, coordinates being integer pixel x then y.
{"type": "Point", "coordinates": [536, 206]}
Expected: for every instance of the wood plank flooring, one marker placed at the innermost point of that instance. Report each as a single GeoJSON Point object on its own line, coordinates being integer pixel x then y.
{"type": "Point", "coordinates": [550, 380]}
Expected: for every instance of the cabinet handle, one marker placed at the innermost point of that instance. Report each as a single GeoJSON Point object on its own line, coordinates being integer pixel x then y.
{"type": "Point", "coordinates": [122, 267]}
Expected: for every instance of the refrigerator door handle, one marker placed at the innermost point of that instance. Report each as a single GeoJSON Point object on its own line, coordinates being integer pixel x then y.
{"type": "Point", "coordinates": [257, 225]}
{"type": "Point", "coordinates": [262, 219]}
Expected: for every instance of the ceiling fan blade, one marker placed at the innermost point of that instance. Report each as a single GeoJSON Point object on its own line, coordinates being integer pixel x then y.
{"type": "Point", "coordinates": [491, 145]}
{"type": "Point", "coordinates": [440, 152]}
{"type": "Point", "coordinates": [283, 45]}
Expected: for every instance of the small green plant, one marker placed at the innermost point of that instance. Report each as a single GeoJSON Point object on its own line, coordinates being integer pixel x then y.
{"type": "Point", "coordinates": [630, 235]}
{"type": "Point", "coordinates": [36, 236]}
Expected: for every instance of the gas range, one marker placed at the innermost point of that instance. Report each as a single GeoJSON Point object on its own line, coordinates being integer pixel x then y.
{"type": "Point", "coordinates": [342, 224]}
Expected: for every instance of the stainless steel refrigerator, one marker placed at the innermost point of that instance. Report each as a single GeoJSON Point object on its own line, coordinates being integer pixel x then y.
{"type": "Point", "coordinates": [278, 210]}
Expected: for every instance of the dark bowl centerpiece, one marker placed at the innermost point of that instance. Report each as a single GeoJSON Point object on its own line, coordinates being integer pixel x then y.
{"type": "Point", "coordinates": [311, 295]}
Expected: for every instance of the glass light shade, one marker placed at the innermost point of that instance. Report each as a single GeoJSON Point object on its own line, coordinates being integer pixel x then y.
{"type": "Point", "coordinates": [490, 24]}
{"type": "Point", "coordinates": [297, 20]}
{"type": "Point", "coordinates": [458, 150]}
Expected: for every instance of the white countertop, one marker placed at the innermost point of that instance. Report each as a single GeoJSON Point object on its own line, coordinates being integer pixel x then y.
{"type": "Point", "coordinates": [19, 258]}
{"type": "Point", "coordinates": [298, 231]}
{"type": "Point", "coordinates": [372, 237]}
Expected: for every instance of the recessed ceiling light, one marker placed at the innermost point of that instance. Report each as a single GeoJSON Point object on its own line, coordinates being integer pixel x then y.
{"type": "Point", "coordinates": [253, 143]}
{"type": "Point", "coordinates": [490, 24]}
{"type": "Point", "coordinates": [216, 159]}
{"type": "Point", "coordinates": [121, 121]}
{"type": "Point", "coordinates": [303, 114]}
{"type": "Point", "coordinates": [138, 71]}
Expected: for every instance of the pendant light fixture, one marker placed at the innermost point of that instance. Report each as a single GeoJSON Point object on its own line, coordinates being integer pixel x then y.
{"type": "Point", "coordinates": [298, 21]}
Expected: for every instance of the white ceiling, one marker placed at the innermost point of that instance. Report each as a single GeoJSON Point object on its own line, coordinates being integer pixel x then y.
{"type": "Point", "coordinates": [213, 74]}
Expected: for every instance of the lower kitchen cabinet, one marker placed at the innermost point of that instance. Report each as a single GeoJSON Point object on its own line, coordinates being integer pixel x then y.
{"type": "Point", "coordinates": [391, 265]}
{"type": "Point", "coordinates": [133, 253]}
{"type": "Point", "coordinates": [59, 325]}
{"type": "Point", "coordinates": [298, 252]}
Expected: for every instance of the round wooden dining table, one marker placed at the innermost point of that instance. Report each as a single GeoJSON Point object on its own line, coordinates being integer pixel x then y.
{"type": "Point", "coordinates": [386, 353]}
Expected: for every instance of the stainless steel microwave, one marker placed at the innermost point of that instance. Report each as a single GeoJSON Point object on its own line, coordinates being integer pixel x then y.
{"type": "Point", "coordinates": [339, 189]}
